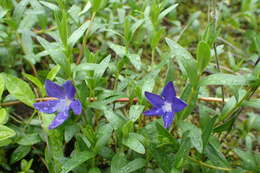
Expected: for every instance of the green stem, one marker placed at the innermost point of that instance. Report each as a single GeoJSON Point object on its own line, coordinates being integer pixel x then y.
{"type": "Point", "coordinates": [208, 165]}
{"type": "Point", "coordinates": [189, 102]}
{"type": "Point", "coordinates": [249, 93]}
{"type": "Point", "coordinates": [153, 51]}
{"type": "Point", "coordinates": [218, 67]}
{"type": "Point", "coordinates": [85, 39]}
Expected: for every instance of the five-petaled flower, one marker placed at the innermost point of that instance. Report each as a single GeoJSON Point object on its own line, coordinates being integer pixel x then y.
{"type": "Point", "coordinates": [165, 104]}
{"type": "Point", "coordinates": [64, 102]}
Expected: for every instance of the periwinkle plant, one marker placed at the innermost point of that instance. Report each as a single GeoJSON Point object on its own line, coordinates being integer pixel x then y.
{"type": "Point", "coordinates": [62, 104]}
{"type": "Point", "coordinates": [165, 104]}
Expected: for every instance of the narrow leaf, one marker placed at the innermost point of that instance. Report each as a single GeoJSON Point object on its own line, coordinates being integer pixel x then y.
{"type": "Point", "coordinates": [223, 79]}
{"type": "Point", "coordinates": [77, 34]}
{"type": "Point", "coordinates": [203, 55]}
{"type": "Point", "coordinates": [76, 160]}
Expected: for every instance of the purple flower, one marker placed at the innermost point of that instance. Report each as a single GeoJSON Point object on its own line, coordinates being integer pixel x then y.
{"type": "Point", "coordinates": [65, 101]}
{"type": "Point", "coordinates": [165, 104]}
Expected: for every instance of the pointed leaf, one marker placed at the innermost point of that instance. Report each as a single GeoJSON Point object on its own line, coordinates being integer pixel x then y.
{"type": "Point", "coordinates": [20, 90]}
{"type": "Point", "coordinates": [6, 132]}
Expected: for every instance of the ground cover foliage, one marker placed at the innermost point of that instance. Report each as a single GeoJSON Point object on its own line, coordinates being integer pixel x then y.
{"type": "Point", "coordinates": [114, 51]}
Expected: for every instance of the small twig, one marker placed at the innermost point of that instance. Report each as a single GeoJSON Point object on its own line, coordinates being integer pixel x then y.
{"type": "Point", "coordinates": [43, 30]}
{"type": "Point", "coordinates": [92, 99]}
{"type": "Point", "coordinates": [208, 165]}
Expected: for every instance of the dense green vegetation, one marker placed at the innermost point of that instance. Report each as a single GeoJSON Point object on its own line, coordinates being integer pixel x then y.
{"type": "Point", "coordinates": [114, 51]}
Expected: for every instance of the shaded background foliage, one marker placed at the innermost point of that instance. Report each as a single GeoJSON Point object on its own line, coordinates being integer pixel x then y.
{"type": "Point", "coordinates": [114, 49]}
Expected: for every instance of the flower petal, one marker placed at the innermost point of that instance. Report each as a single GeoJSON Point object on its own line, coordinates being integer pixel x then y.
{"type": "Point", "coordinates": [54, 90]}
{"type": "Point", "coordinates": [178, 105]}
{"type": "Point", "coordinates": [76, 107]}
{"type": "Point", "coordinates": [169, 92]}
{"type": "Point", "coordinates": [47, 107]}
{"type": "Point", "coordinates": [59, 119]}
{"type": "Point", "coordinates": [167, 119]}
{"type": "Point", "coordinates": [154, 99]}
{"type": "Point", "coordinates": [69, 89]}
{"type": "Point", "coordinates": [153, 111]}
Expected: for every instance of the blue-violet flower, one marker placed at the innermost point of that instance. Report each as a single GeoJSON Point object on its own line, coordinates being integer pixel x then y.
{"type": "Point", "coordinates": [165, 104]}
{"type": "Point", "coordinates": [65, 101]}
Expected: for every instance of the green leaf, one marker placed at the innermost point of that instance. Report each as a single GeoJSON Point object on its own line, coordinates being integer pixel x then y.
{"type": "Point", "coordinates": [6, 133]}
{"type": "Point", "coordinates": [94, 170]}
{"type": "Point", "coordinates": [102, 67]}
{"type": "Point", "coordinates": [210, 34]}
{"type": "Point", "coordinates": [203, 55]}
{"type": "Point", "coordinates": [163, 132]}
{"type": "Point", "coordinates": [26, 40]}
{"type": "Point", "coordinates": [20, 90]}
{"type": "Point", "coordinates": [226, 126]}
{"type": "Point", "coordinates": [77, 34]}
{"type": "Point", "coordinates": [54, 150]}
{"type": "Point", "coordinates": [29, 139]}
{"type": "Point", "coordinates": [86, 8]}
{"type": "Point", "coordinates": [76, 160]}
{"type": "Point", "coordinates": [2, 84]}
{"type": "Point", "coordinates": [70, 131]}
{"type": "Point", "coordinates": [194, 133]}
{"type": "Point", "coordinates": [54, 71]}
{"type": "Point", "coordinates": [216, 156]}
{"type": "Point", "coordinates": [135, 112]}
{"type": "Point", "coordinates": [19, 153]}
{"type": "Point", "coordinates": [183, 151]}
{"type": "Point", "coordinates": [119, 50]}
{"type": "Point", "coordinates": [207, 131]}
{"type": "Point", "coordinates": [50, 5]}
{"type": "Point", "coordinates": [148, 85]}
{"type": "Point", "coordinates": [133, 165]}
{"type": "Point", "coordinates": [249, 161]}
{"type": "Point", "coordinates": [3, 116]}
{"type": "Point", "coordinates": [127, 128]}
{"type": "Point", "coordinates": [187, 64]}
{"type": "Point", "coordinates": [190, 68]}
{"type": "Point", "coordinates": [135, 60]}
{"type": "Point", "coordinates": [177, 50]}
{"type": "Point", "coordinates": [97, 4]}
{"type": "Point", "coordinates": [5, 142]}
{"type": "Point", "coordinates": [162, 157]}
{"type": "Point", "coordinates": [118, 162]}
{"type": "Point", "coordinates": [34, 80]}
{"type": "Point", "coordinates": [167, 11]}
{"type": "Point", "coordinates": [54, 50]}
{"type": "Point", "coordinates": [19, 10]}
{"type": "Point", "coordinates": [223, 79]}
{"type": "Point", "coordinates": [114, 119]}
{"type": "Point", "coordinates": [170, 73]}
{"type": "Point", "coordinates": [133, 143]}
{"type": "Point", "coordinates": [103, 135]}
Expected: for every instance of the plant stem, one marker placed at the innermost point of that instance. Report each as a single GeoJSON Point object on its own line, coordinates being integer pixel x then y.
{"type": "Point", "coordinates": [249, 93]}
{"type": "Point", "coordinates": [85, 38]}
{"type": "Point", "coordinates": [208, 165]}
{"type": "Point", "coordinates": [218, 67]}
{"type": "Point", "coordinates": [153, 56]}
{"type": "Point", "coordinates": [214, 5]}
{"type": "Point", "coordinates": [92, 99]}
{"type": "Point", "coordinates": [189, 102]}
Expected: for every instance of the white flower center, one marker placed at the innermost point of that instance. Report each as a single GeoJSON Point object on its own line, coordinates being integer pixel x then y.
{"type": "Point", "coordinates": [63, 104]}
{"type": "Point", "coordinates": [167, 107]}
{"type": "Point", "coordinates": [67, 101]}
